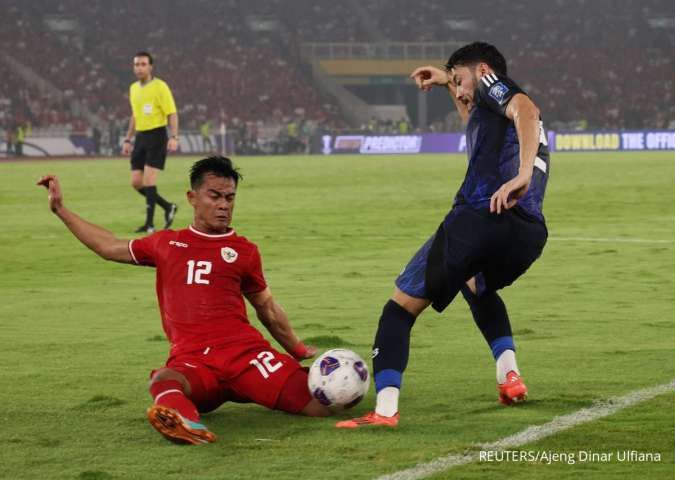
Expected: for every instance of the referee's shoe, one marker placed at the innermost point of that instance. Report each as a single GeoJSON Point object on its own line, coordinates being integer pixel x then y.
{"type": "Point", "coordinates": [169, 215]}
{"type": "Point", "coordinates": [145, 229]}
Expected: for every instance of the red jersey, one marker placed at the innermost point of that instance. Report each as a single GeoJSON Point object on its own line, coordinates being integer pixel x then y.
{"type": "Point", "coordinates": [201, 280]}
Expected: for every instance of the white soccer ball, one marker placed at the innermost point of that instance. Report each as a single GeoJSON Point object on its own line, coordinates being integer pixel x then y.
{"type": "Point", "coordinates": [338, 379]}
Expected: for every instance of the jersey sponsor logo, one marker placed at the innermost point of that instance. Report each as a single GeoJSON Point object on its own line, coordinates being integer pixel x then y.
{"type": "Point", "coordinates": [497, 91]}
{"type": "Point", "coordinates": [147, 108]}
{"type": "Point", "coordinates": [229, 254]}
{"type": "Point", "coordinates": [178, 244]}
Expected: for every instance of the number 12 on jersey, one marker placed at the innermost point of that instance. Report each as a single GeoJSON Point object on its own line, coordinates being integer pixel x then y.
{"type": "Point", "coordinates": [196, 270]}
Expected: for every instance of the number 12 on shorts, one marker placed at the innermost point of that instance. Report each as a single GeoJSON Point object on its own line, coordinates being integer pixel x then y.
{"type": "Point", "coordinates": [264, 364]}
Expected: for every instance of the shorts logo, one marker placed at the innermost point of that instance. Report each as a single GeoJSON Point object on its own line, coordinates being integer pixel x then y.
{"type": "Point", "coordinates": [497, 91]}
{"type": "Point", "coordinates": [229, 254]}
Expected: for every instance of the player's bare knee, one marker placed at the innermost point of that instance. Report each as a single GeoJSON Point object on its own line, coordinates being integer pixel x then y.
{"type": "Point", "coordinates": [412, 305]}
{"type": "Point", "coordinates": [137, 179]}
{"type": "Point", "coordinates": [150, 176]}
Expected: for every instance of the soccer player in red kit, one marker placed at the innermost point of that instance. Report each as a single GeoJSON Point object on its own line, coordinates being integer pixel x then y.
{"type": "Point", "coordinates": [203, 274]}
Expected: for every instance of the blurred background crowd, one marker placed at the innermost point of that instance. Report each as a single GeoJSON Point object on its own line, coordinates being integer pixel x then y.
{"type": "Point", "coordinates": [65, 65]}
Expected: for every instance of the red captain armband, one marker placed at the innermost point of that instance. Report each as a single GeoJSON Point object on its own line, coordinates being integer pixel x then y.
{"type": "Point", "coordinates": [299, 351]}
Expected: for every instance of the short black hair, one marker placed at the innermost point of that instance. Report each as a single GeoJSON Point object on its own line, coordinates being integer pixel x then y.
{"type": "Point", "coordinates": [215, 165]}
{"type": "Point", "coordinates": [478, 52]}
{"type": "Point", "coordinates": [146, 54]}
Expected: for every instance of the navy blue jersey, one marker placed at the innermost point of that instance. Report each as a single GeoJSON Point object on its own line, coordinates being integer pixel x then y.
{"type": "Point", "coordinates": [493, 149]}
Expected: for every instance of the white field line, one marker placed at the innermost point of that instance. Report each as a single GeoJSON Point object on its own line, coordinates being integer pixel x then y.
{"type": "Point", "coordinates": [610, 240]}
{"type": "Point", "coordinates": [531, 434]}
{"type": "Point", "coordinates": [554, 239]}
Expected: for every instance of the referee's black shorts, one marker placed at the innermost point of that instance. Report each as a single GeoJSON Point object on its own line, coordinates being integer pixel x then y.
{"type": "Point", "coordinates": [496, 249]}
{"type": "Point", "coordinates": [149, 149]}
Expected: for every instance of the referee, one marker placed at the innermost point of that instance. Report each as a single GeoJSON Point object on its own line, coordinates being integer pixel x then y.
{"type": "Point", "coordinates": [152, 105]}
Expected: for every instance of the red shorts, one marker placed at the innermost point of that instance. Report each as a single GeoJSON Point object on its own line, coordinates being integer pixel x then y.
{"type": "Point", "coordinates": [253, 372]}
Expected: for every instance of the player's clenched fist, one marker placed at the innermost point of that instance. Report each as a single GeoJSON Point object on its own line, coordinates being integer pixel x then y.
{"type": "Point", "coordinates": [51, 183]}
{"type": "Point", "coordinates": [427, 77]}
{"type": "Point", "coordinates": [302, 352]}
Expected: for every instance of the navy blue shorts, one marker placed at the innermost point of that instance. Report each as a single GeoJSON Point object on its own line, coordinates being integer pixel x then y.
{"type": "Point", "coordinates": [496, 249]}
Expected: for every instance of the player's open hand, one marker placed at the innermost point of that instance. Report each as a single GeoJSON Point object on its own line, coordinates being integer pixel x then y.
{"type": "Point", "coordinates": [51, 183]}
{"type": "Point", "coordinates": [427, 77]}
{"type": "Point", "coordinates": [172, 145]}
{"type": "Point", "coordinates": [509, 193]}
{"type": "Point", "coordinates": [126, 148]}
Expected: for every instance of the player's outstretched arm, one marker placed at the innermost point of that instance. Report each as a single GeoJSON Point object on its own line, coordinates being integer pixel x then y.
{"type": "Point", "coordinates": [428, 76]}
{"type": "Point", "coordinates": [525, 116]}
{"type": "Point", "coordinates": [98, 239]}
{"type": "Point", "coordinates": [275, 320]}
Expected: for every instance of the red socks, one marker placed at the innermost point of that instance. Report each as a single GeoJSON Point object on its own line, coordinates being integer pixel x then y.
{"type": "Point", "coordinates": [169, 393]}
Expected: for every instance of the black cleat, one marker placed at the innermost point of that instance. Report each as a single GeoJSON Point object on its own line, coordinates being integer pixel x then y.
{"type": "Point", "coordinates": [145, 229]}
{"type": "Point", "coordinates": [169, 215]}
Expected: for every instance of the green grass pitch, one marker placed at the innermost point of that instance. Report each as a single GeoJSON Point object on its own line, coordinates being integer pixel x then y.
{"type": "Point", "coordinates": [592, 320]}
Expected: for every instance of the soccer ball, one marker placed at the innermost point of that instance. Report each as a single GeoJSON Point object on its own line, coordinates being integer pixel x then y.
{"type": "Point", "coordinates": [338, 379]}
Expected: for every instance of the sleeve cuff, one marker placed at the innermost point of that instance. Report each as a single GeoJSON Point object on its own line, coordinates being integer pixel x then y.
{"type": "Point", "coordinates": [131, 251]}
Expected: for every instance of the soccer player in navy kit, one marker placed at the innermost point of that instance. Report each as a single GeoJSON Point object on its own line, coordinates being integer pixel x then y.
{"type": "Point", "coordinates": [493, 233]}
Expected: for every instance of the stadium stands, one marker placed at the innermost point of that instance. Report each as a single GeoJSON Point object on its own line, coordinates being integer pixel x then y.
{"type": "Point", "coordinates": [240, 60]}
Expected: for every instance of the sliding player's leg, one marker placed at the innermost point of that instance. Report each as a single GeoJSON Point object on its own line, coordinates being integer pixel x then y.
{"type": "Point", "coordinates": [274, 380]}
{"type": "Point", "coordinates": [178, 394]}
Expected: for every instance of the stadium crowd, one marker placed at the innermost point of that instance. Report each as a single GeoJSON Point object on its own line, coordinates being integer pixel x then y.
{"type": "Point", "coordinates": [242, 66]}
{"type": "Point", "coordinates": [587, 63]}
